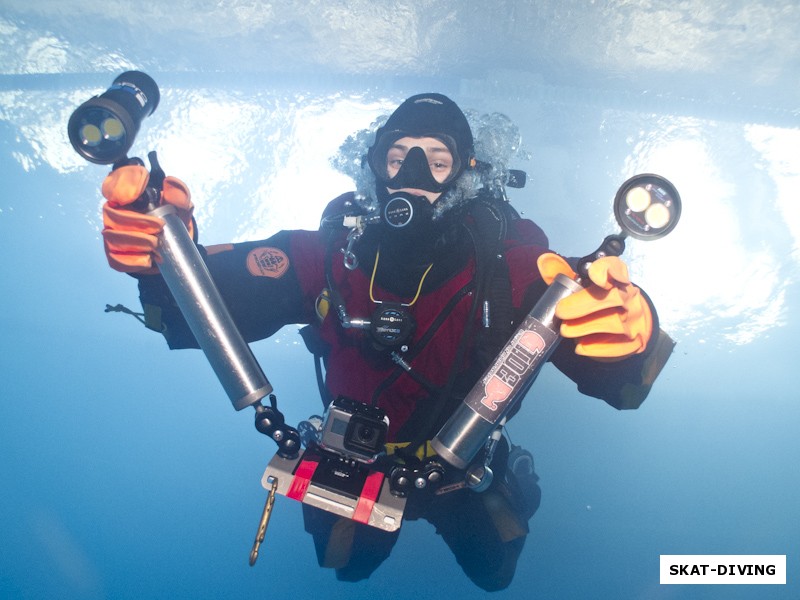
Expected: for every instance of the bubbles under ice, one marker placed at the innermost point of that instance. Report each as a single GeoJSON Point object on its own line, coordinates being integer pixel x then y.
{"type": "Point", "coordinates": [498, 140]}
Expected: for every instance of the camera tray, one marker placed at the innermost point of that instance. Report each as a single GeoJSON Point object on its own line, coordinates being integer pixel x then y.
{"type": "Point", "coordinates": [346, 488]}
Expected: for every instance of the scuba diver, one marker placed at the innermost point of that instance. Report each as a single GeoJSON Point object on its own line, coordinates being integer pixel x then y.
{"type": "Point", "coordinates": [408, 291]}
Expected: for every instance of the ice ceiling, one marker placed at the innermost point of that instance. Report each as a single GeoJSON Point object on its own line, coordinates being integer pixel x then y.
{"type": "Point", "coordinates": [685, 67]}
{"type": "Point", "coordinates": [734, 52]}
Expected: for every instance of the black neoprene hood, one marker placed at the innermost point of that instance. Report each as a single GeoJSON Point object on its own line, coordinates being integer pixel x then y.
{"type": "Point", "coordinates": [425, 115]}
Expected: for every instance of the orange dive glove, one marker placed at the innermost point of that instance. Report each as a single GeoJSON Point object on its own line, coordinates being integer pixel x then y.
{"type": "Point", "coordinates": [129, 237]}
{"type": "Point", "coordinates": [608, 319]}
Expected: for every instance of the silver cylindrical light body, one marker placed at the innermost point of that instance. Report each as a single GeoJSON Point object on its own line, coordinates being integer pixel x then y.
{"type": "Point", "coordinates": [205, 311]}
{"type": "Point", "coordinates": [506, 381]}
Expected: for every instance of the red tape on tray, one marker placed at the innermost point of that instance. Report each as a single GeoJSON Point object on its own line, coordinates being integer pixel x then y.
{"type": "Point", "coordinates": [302, 479]}
{"type": "Point", "coordinates": [369, 494]}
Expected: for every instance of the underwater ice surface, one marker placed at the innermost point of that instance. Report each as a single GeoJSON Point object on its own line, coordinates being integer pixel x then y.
{"type": "Point", "coordinates": [125, 473]}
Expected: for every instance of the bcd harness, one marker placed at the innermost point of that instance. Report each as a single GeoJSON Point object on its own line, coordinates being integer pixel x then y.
{"type": "Point", "coordinates": [487, 223]}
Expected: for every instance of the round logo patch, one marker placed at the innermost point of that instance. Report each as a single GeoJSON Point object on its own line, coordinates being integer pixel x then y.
{"type": "Point", "coordinates": [267, 262]}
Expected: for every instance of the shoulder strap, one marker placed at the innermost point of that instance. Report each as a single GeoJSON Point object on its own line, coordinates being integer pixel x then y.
{"type": "Point", "coordinates": [487, 223]}
{"type": "Point", "coordinates": [491, 218]}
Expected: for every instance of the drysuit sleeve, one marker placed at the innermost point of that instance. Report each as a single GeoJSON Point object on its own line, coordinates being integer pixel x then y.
{"type": "Point", "coordinates": [265, 284]}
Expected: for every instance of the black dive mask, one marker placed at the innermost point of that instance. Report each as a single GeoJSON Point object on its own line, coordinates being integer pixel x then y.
{"type": "Point", "coordinates": [415, 173]}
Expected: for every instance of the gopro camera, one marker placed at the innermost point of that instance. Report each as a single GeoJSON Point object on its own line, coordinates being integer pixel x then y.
{"type": "Point", "coordinates": [354, 430]}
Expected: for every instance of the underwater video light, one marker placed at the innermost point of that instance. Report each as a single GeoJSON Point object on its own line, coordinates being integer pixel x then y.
{"type": "Point", "coordinates": [647, 206]}
{"type": "Point", "coordinates": [103, 129]}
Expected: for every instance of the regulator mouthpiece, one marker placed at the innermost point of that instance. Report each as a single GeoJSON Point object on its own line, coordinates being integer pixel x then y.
{"type": "Point", "coordinates": [103, 129]}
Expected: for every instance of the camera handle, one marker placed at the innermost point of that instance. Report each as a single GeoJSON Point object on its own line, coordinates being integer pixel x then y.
{"type": "Point", "coordinates": [199, 300]}
{"type": "Point", "coordinates": [201, 304]}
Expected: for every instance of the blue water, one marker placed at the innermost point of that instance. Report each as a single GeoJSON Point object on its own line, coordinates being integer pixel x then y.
{"type": "Point", "coordinates": [124, 471]}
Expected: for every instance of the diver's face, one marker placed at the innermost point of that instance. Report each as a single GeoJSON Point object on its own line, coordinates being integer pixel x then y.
{"type": "Point", "coordinates": [440, 161]}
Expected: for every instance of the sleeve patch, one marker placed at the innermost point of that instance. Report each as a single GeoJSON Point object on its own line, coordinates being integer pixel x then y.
{"type": "Point", "coordinates": [267, 262]}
